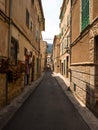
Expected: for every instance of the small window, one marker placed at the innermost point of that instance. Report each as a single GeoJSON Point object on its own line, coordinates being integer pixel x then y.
{"type": "Point", "coordinates": [37, 35]}
{"type": "Point", "coordinates": [74, 87]}
{"type": "Point", "coordinates": [32, 1]}
{"type": "Point", "coordinates": [68, 20]}
{"type": "Point", "coordinates": [14, 51]}
{"type": "Point", "coordinates": [27, 17]}
{"type": "Point", "coordinates": [37, 64]}
{"type": "Point", "coordinates": [31, 25]}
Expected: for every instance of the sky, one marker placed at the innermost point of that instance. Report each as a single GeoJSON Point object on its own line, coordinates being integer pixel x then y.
{"type": "Point", "coordinates": [51, 9]}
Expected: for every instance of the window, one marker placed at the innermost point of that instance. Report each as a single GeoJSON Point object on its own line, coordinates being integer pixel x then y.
{"type": "Point", "coordinates": [37, 35]}
{"type": "Point", "coordinates": [63, 48]}
{"type": "Point", "coordinates": [67, 2]}
{"type": "Point", "coordinates": [14, 51]}
{"type": "Point", "coordinates": [31, 25]}
{"type": "Point", "coordinates": [66, 43]}
{"type": "Point", "coordinates": [74, 87]}
{"type": "Point", "coordinates": [85, 13]}
{"type": "Point", "coordinates": [61, 31]}
{"type": "Point", "coordinates": [64, 67]}
{"type": "Point", "coordinates": [27, 18]}
{"type": "Point", "coordinates": [32, 1]}
{"type": "Point", "coordinates": [68, 20]}
{"type": "Point", "coordinates": [37, 64]}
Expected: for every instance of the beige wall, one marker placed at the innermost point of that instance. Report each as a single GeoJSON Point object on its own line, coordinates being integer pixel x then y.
{"type": "Point", "coordinates": [83, 75]}
{"type": "Point", "coordinates": [80, 51]}
{"type": "Point", "coordinates": [26, 38]}
{"type": "Point", "coordinates": [43, 52]}
{"type": "Point", "coordinates": [2, 5]}
{"type": "Point", "coordinates": [95, 9]}
{"type": "Point", "coordinates": [76, 20]}
{"type": "Point", "coordinates": [56, 54]}
{"type": "Point", "coordinates": [3, 39]}
{"type": "Point", "coordinates": [19, 16]}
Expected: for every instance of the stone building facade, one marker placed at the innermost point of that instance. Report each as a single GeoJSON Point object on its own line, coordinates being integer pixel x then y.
{"type": "Point", "coordinates": [4, 33]}
{"type": "Point", "coordinates": [65, 38]}
{"type": "Point", "coordinates": [43, 50]}
{"type": "Point", "coordinates": [56, 54]}
{"type": "Point", "coordinates": [21, 23]}
{"type": "Point", "coordinates": [84, 51]}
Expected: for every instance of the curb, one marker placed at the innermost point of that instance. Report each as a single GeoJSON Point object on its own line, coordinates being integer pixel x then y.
{"type": "Point", "coordinates": [8, 111]}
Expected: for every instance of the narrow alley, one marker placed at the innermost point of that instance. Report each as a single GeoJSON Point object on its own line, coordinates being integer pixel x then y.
{"type": "Point", "coordinates": [48, 108]}
{"type": "Point", "coordinates": [49, 64]}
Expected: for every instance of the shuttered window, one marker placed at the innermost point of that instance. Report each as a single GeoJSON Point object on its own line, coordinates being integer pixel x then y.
{"type": "Point", "coordinates": [27, 17]}
{"type": "Point", "coordinates": [32, 1]}
{"type": "Point", "coordinates": [14, 51]}
{"type": "Point", "coordinates": [85, 13]}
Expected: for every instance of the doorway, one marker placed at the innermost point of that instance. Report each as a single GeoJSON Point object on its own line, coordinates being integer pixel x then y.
{"type": "Point", "coordinates": [33, 67]}
{"type": "Point", "coordinates": [67, 60]}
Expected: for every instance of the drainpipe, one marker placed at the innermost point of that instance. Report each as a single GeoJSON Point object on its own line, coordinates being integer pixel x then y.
{"type": "Point", "coordinates": [5, 6]}
{"type": "Point", "coordinates": [9, 43]}
{"type": "Point", "coordinates": [10, 20]}
{"type": "Point", "coordinates": [70, 34]}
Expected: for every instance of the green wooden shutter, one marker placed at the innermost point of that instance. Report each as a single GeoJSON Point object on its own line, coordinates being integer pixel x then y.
{"type": "Point", "coordinates": [85, 13]}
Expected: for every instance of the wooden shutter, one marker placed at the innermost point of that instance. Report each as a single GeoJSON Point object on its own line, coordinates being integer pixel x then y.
{"type": "Point", "coordinates": [85, 13]}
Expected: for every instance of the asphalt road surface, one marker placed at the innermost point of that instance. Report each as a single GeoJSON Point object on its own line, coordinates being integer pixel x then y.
{"type": "Point", "coordinates": [48, 108]}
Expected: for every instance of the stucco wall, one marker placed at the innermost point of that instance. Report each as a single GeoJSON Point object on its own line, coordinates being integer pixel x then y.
{"type": "Point", "coordinates": [2, 5]}
{"type": "Point", "coordinates": [43, 49]}
{"type": "Point", "coordinates": [75, 20]}
{"type": "Point", "coordinates": [19, 16]}
{"type": "Point", "coordinates": [95, 9]}
{"type": "Point", "coordinates": [23, 43]}
{"type": "Point", "coordinates": [3, 39]}
{"type": "Point", "coordinates": [80, 51]}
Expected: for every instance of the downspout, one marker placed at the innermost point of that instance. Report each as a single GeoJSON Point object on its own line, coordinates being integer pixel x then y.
{"type": "Point", "coordinates": [9, 43]}
{"type": "Point", "coordinates": [70, 36]}
{"type": "Point", "coordinates": [10, 21]}
{"type": "Point", "coordinates": [5, 6]}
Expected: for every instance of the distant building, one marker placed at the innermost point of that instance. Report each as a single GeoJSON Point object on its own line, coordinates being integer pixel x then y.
{"type": "Point", "coordinates": [49, 48]}
{"type": "Point", "coordinates": [56, 54]}
{"type": "Point", "coordinates": [49, 56]}
{"type": "Point", "coordinates": [49, 61]}
{"type": "Point", "coordinates": [43, 51]}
